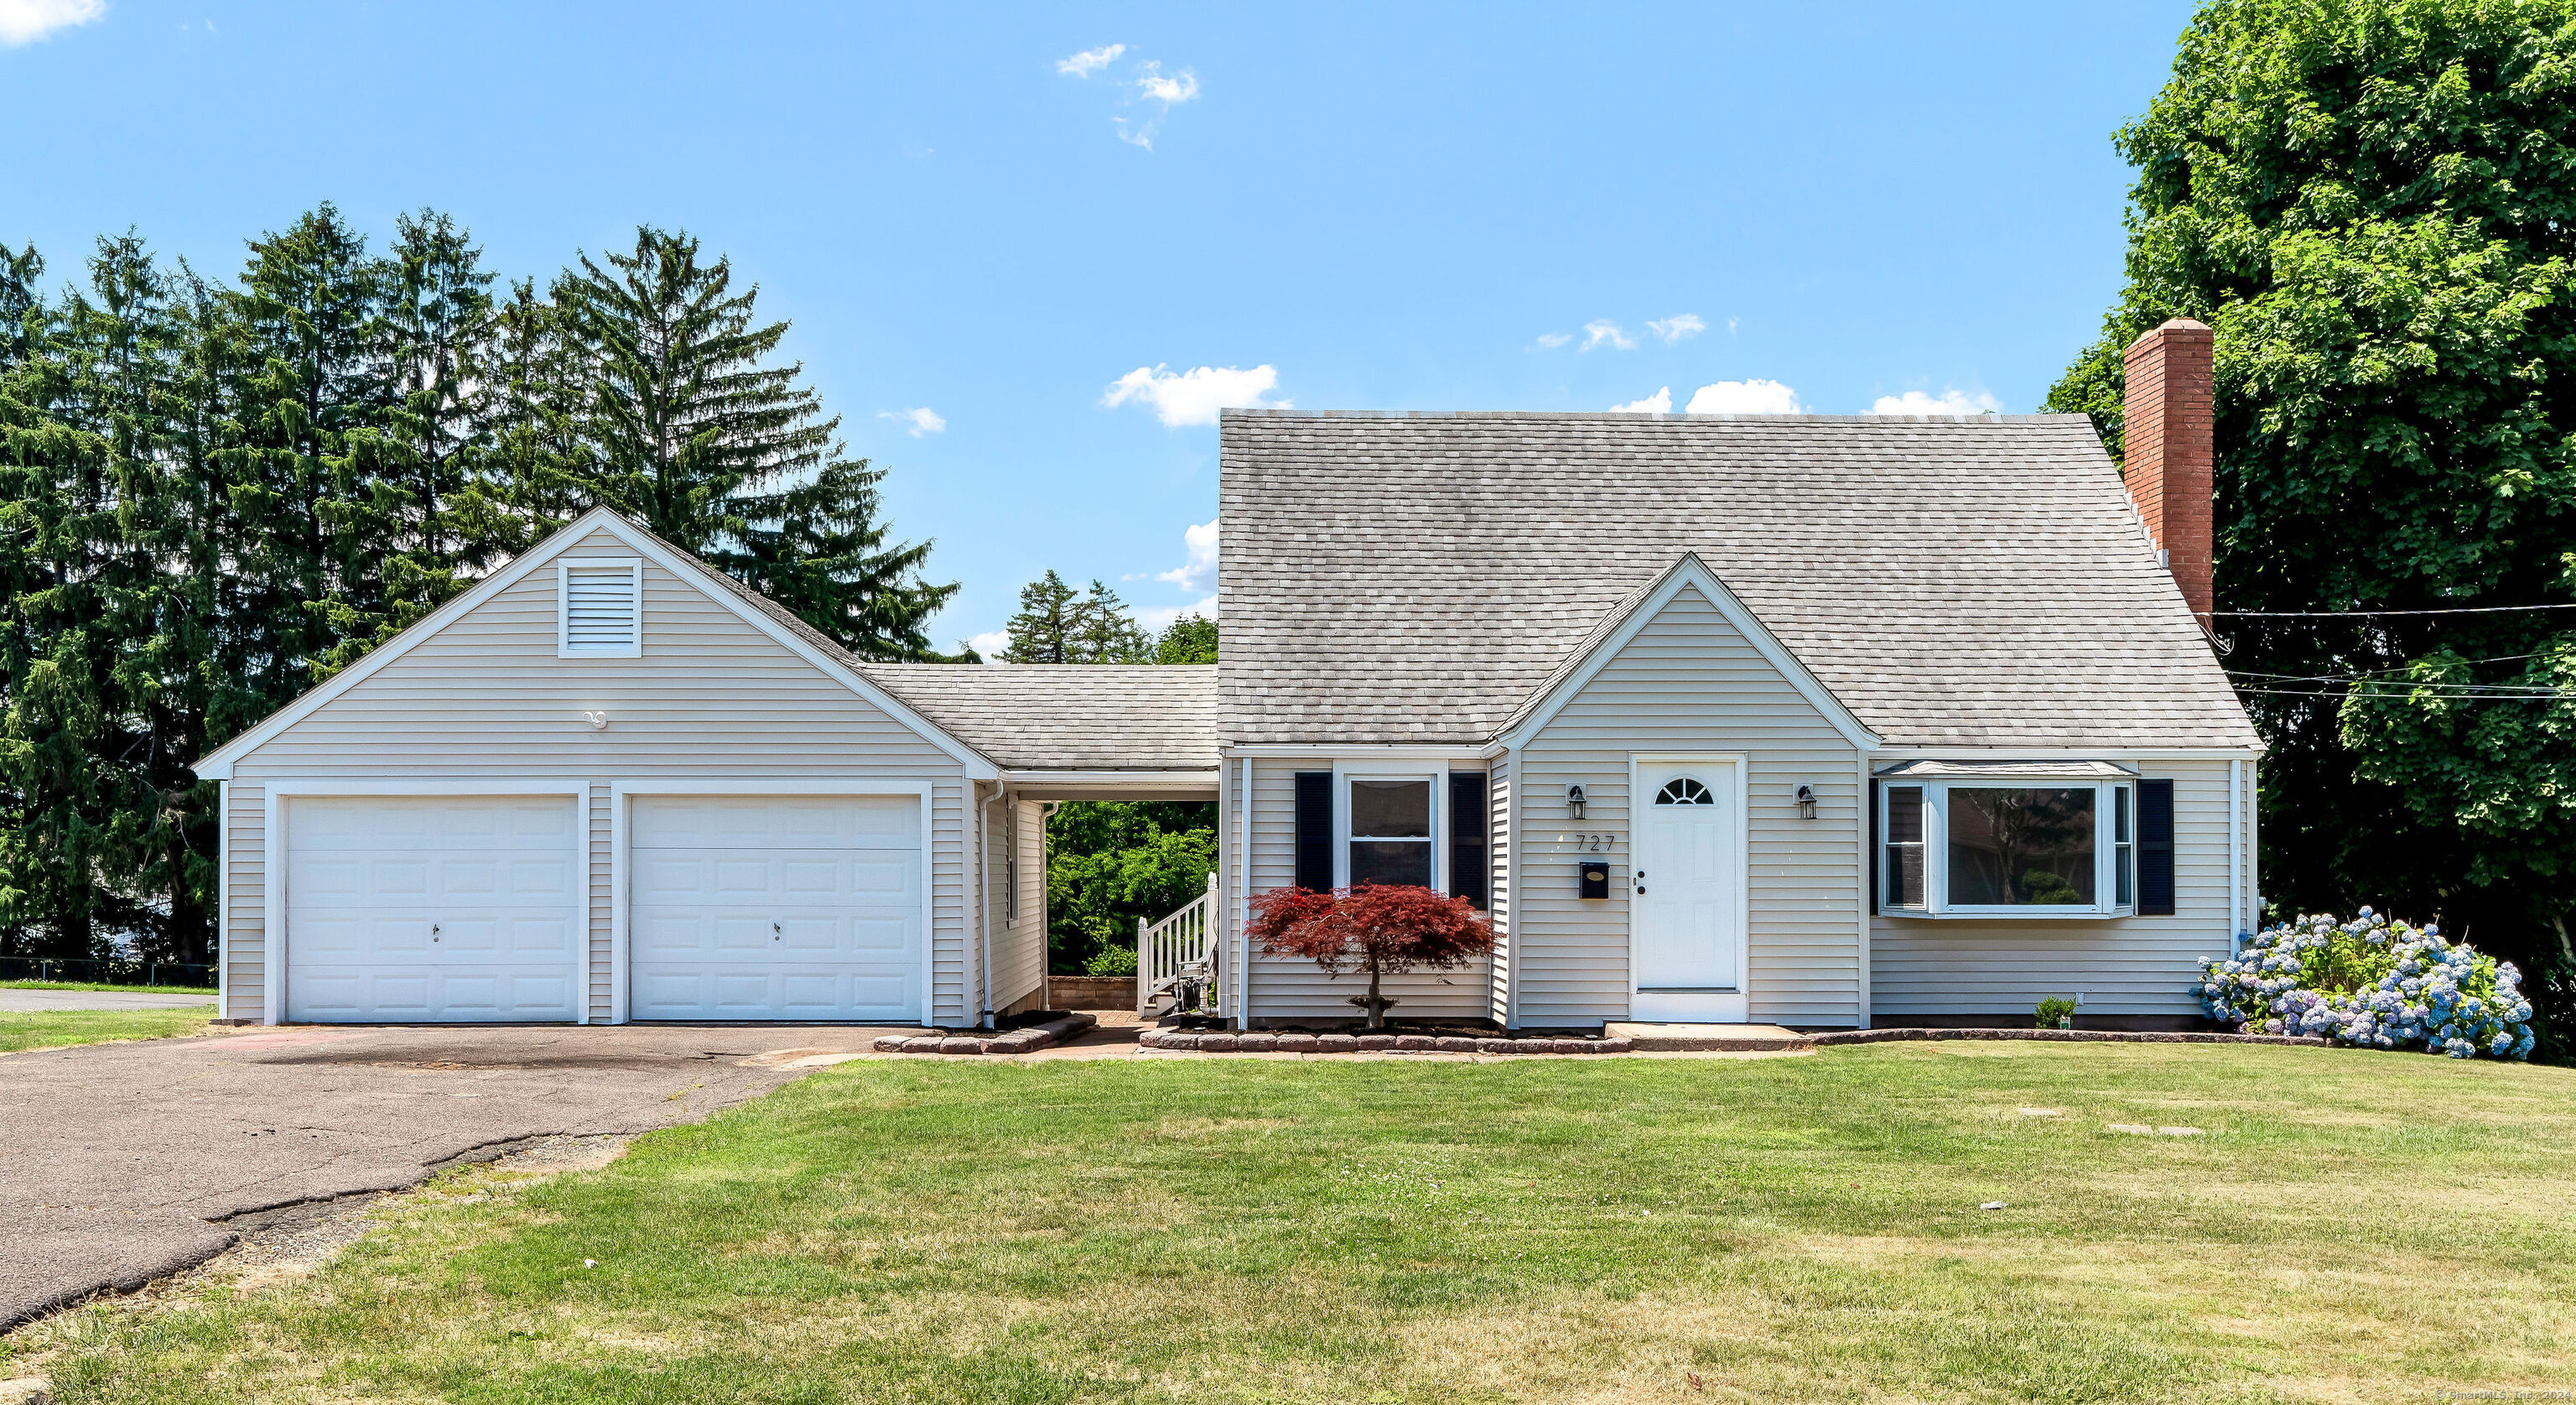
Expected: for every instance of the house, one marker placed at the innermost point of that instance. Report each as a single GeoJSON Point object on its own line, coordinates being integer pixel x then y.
{"type": "Point", "coordinates": [1801, 719]}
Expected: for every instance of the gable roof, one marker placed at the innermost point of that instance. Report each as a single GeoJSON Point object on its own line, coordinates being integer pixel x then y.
{"type": "Point", "coordinates": [1952, 582]}
{"type": "Point", "coordinates": [761, 613]}
{"type": "Point", "coordinates": [1105, 717]}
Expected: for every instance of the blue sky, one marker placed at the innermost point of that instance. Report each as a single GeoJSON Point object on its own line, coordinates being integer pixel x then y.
{"type": "Point", "coordinates": [1065, 232]}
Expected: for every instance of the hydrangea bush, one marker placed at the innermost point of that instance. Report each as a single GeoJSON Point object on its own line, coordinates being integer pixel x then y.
{"type": "Point", "coordinates": [2374, 983]}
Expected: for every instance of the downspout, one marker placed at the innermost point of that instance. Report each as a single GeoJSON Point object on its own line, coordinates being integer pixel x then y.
{"type": "Point", "coordinates": [984, 897]}
{"type": "Point", "coordinates": [1234, 913]}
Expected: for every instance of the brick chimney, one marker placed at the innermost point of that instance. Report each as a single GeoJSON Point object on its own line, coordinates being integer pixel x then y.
{"type": "Point", "coordinates": [2172, 450]}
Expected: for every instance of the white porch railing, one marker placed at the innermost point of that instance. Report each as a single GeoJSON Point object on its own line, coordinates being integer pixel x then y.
{"type": "Point", "coordinates": [1176, 958]}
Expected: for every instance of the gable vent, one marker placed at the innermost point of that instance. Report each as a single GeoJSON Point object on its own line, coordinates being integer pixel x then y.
{"type": "Point", "coordinates": [603, 607]}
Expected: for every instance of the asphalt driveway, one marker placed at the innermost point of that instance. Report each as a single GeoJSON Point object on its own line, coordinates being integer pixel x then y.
{"type": "Point", "coordinates": [122, 1163]}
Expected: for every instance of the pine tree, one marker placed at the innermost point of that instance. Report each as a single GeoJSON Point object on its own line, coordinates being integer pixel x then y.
{"type": "Point", "coordinates": [818, 549]}
{"type": "Point", "coordinates": [684, 420]}
{"type": "Point", "coordinates": [1044, 629]}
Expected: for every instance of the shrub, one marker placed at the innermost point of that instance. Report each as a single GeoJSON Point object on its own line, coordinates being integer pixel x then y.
{"type": "Point", "coordinates": [1383, 929]}
{"type": "Point", "coordinates": [2053, 1009]}
{"type": "Point", "coordinates": [2371, 983]}
{"type": "Point", "coordinates": [1111, 961]}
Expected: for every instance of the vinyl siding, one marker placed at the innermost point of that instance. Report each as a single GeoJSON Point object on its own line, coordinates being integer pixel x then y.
{"type": "Point", "coordinates": [711, 699]}
{"type": "Point", "coordinates": [1286, 988]}
{"type": "Point", "coordinates": [2121, 966]}
{"type": "Point", "coordinates": [1687, 682]}
{"type": "Point", "coordinates": [1019, 943]}
{"type": "Point", "coordinates": [243, 946]}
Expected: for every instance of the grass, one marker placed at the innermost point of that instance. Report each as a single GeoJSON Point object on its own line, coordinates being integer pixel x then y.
{"type": "Point", "coordinates": [204, 990]}
{"type": "Point", "coordinates": [54, 1029]}
{"type": "Point", "coordinates": [2351, 1227]}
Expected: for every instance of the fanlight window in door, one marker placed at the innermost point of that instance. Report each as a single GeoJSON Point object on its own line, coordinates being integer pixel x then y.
{"type": "Point", "coordinates": [1682, 790]}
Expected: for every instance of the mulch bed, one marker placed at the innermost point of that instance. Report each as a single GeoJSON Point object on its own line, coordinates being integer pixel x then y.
{"type": "Point", "coordinates": [1296, 1041]}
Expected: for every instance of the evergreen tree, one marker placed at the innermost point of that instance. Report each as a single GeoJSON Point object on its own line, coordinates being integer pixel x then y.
{"type": "Point", "coordinates": [685, 422]}
{"type": "Point", "coordinates": [538, 461]}
{"type": "Point", "coordinates": [1045, 629]}
{"type": "Point", "coordinates": [1105, 633]}
{"type": "Point", "coordinates": [818, 549]}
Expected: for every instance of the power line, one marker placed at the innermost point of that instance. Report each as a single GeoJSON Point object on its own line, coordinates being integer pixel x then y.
{"type": "Point", "coordinates": [2367, 614]}
{"type": "Point", "coordinates": [2486, 696]}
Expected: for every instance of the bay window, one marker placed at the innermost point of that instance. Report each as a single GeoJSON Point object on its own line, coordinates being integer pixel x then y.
{"type": "Point", "coordinates": [2042, 839]}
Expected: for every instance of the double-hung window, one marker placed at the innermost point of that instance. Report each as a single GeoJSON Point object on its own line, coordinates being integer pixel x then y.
{"type": "Point", "coordinates": [1391, 839]}
{"type": "Point", "coordinates": [1985, 839]}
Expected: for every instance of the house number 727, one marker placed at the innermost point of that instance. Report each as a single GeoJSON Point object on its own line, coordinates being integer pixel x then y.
{"type": "Point", "coordinates": [1593, 843]}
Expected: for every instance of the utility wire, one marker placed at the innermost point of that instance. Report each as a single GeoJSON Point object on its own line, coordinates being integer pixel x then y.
{"type": "Point", "coordinates": [2365, 614]}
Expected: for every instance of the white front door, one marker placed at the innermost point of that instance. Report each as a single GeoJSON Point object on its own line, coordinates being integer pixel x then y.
{"type": "Point", "coordinates": [431, 908]}
{"type": "Point", "coordinates": [1687, 918]}
{"type": "Point", "coordinates": [776, 907]}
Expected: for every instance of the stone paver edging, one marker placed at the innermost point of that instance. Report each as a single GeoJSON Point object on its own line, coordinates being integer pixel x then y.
{"type": "Point", "coordinates": [2061, 1036]}
{"type": "Point", "coordinates": [1026, 1039]}
{"type": "Point", "coordinates": [1218, 1041]}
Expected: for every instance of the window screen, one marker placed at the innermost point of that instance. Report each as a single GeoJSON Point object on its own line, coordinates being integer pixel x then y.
{"type": "Point", "coordinates": [1391, 832]}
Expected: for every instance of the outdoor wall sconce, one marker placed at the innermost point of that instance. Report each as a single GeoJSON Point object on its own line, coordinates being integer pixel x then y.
{"type": "Point", "coordinates": [598, 721]}
{"type": "Point", "coordinates": [1806, 802]}
{"type": "Point", "coordinates": [1574, 801]}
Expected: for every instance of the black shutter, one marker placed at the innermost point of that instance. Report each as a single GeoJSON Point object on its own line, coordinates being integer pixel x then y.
{"type": "Point", "coordinates": [1869, 869]}
{"type": "Point", "coordinates": [1470, 871]}
{"type": "Point", "coordinates": [1315, 830]}
{"type": "Point", "coordinates": [2155, 849]}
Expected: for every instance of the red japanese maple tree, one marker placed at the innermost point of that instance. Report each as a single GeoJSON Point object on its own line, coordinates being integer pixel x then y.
{"type": "Point", "coordinates": [1383, 929]}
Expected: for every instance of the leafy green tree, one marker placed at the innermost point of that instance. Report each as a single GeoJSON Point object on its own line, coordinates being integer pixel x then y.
{"type": "Point", "coordinates": [1189, 639]}
{"type": "Point", "coordinates": [2369, 201]}
{"type": "Point", "coordinates": [1110, 863]}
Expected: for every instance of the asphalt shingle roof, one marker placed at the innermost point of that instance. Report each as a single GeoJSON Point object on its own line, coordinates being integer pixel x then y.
{"type": "Point", "coordinates": [1038, 716]}
{"type": "Point", "coordinates": [1955, 582]}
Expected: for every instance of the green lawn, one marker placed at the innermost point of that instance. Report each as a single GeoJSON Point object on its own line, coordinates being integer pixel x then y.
{"type": "Point", "coordinates": [52, 1029]}
{"type": "Point", "coordinates": [204, 990]}
{"type": "Point", "coordinates": [2351, 1227]}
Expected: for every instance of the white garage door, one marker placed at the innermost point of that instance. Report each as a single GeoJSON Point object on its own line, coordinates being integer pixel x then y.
{"type": "Point", "coordinates": [776, 908]}
{"type": "Point", "coordinates": [434, 908]}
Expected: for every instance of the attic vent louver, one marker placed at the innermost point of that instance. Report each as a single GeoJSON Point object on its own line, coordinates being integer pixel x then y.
{"type": "Point", "coordinates": [602, 608]}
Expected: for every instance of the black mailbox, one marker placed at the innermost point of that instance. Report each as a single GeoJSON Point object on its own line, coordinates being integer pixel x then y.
{"type": "Point", "coordinates": [1596, 881]}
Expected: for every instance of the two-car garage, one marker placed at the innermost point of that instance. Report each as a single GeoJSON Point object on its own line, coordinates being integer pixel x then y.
{"type": "Point", "coordinates": [472, 908]}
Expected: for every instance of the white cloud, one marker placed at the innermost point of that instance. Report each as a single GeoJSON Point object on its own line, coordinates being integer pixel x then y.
{"type": "Point", "coordinates": [1140, 136]}
{"type": "Point", "coordinates": [1659, 403]}
{"type": "Point", "coordinates": [1167, 91]}
{"type": "Point", "coordinates": [25, 21]}
{"type": "Point", "coordinates": [1200, 569]}
{"type": "Point", "coordinates": [1606, 333]}
{"type": "Point", "coordinates": [1194, 396]}
{"type": "Point", "coordinates": [1554, 339]}
{"type": "Point", "coordinates": [1730, 326]}
{"type": "Point", "coordinates": [921, 418]}
{"type": "Point", "coordinates": [1680, 327]}
{"type": "Point", "coordinates": [1160, 617]}
{"type": "Point", "coordinates": [1744, 398]}
{"type": "Point", "coordinates": [1948, 402]}
{"type": "Point", "coordinates": [991, 645]}
{"type": "Point", "coordinates": [1090, 61]}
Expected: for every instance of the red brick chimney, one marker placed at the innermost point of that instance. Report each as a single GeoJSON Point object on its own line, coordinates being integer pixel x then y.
{"type": "Point", "coordinates": [2172, 450]}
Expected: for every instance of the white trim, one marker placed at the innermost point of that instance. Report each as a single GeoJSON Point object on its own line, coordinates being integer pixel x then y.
{"type": "Point", "coordinates": [621, 964]}
{"type": "Point", "coordinates": [1345, 772]}
{"type": "Point", "coordinates": [2253, 918]}
{"type": "Point", "coordinates": [633, 648]}
{"type": "Point", "coordinates": [1865, 804]}
{"type": "Point", "coordinates": [217, 764]}
{"type": "Point", "coordinates": [1360, 751]}
{"type": "Point", "coordinates": [1691, 571]}
{"type": "Point", "coordinates": [273, 939]}
{"type": "Point", "coordinates": [2059, 753]}
{"type": "Point", "coordinates": [2235, 848]}
{"type": "Point", "coordinates": [223, 900]}
{"type": "Point", "coordinates": [1238, 913]}
{"type": "Point", "coordinates": [984, 890]}
{"type": "Point", "coordinates": [1196, 782]}
{"type": "Point", "coordinates": [1513, 917]}
{"type": "Point", "coordinates": [1712, 1007]}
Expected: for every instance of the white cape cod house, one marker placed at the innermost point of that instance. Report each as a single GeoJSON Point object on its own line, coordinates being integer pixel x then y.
{"type": "Point", "coordinates": [1797, 719]}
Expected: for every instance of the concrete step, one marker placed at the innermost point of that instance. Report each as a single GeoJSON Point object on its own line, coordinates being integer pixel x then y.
{"type": "Point", "coordinates": [1727, 1038]}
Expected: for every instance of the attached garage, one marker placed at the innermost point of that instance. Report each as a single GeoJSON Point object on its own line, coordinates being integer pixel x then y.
{"type": "Point", "coordinates": [780, 907]}
{"type": "Point", "coordinates": [432, 908]}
